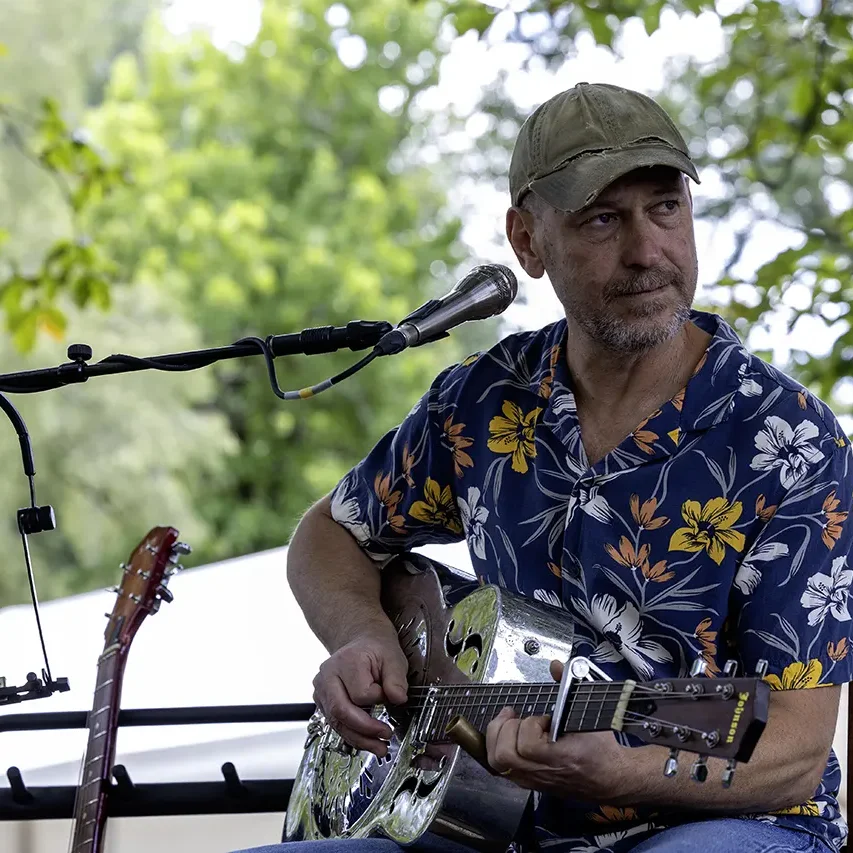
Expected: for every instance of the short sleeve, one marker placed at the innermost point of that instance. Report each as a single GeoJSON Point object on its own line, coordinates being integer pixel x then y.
{"type": "Point", "coordinates": [401, 495]}
{"type": "Point", "coordinates": [791, 591]}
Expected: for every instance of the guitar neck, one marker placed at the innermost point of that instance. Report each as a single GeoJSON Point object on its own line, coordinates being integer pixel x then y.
{"type": "Point", "coordinates": [90, 813]}
{"type": "Point", "coordinates": [590, 706]}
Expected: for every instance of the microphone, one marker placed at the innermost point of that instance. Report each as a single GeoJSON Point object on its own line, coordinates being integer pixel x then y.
{"type": "Point", "coordinates": [486, 290]}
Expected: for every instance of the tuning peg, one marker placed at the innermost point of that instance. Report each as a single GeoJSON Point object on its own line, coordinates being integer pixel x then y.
{"type": "Point", "coordinates": [761, 668]}
{"type": "Point", "coordinates": [113, 589]}
{"type": "Point", "coordinates": [179, 549]}
{"type": "Point", "coordinates": [730, 668]}
{"type": "Point", "coordinates": [729, 773]}
{"type": "Point", "coordinates": [165, 594]}
{"type": "Point", "coordinates": [698, 668]}
{"type": "Point", "coordinates": [699, 770]}
{"type": "Point", "coordinates": [670, 767]}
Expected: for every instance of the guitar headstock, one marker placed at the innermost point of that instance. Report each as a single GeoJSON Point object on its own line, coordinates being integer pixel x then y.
{"type": "Point", "coordinates": [715, 717]}
{"type": "Point", "coordinates": [144, 582]}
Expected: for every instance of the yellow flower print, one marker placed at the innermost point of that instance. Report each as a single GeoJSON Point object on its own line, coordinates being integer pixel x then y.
{"type": "Point", "coordinates": [797, 676]}
{"type": "Point", "coordinates": [644, 515]}
{"type": "Point", "coordinates": [810, 808]}
{"type": "Point", "coordinates": [438, 507]}
{"type": "Point", "coordinates": [512, 433]}
{"type": "Point", "coordinates": [837, 651]}
{"type": "Point", "coordinates": [709, 528]}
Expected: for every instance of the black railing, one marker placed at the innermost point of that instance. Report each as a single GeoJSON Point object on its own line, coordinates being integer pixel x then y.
{"type": "Point", "coordinates": [231, 795]}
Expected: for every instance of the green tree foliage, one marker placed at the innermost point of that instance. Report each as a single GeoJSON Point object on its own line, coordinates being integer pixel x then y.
{"type": "Point", "coordinates": [271, 194]}
{"type": "Point", "coordinates": [111, 455]}
{"type": "Point", "coordinates": [773, 116]}
{"type": "Point", "coordinates": [53, 58]}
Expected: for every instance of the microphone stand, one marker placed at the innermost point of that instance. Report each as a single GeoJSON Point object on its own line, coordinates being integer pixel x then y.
{"type": "Point", "coordinates": [356, 335]}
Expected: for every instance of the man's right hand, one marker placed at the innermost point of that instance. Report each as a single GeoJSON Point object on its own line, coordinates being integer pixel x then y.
{"type": "Point", "coordinates": [369, 670]}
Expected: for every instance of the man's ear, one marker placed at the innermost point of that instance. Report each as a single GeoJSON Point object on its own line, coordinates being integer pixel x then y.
{"type": "Point", "coordinates": [519, 232]}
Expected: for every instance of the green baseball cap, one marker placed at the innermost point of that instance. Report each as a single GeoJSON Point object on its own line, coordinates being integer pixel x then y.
{"type": "Point", "coordinates": [580, 141]}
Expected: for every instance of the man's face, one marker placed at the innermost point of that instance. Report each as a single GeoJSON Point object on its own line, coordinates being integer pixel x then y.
{"type": "Point", "coordinates": [625, 267]}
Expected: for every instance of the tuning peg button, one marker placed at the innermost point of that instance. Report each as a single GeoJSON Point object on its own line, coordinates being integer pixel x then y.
{"type": "Point", "coordinates": [729, 773]}
{"type": "Point", "coordinates": [730, 668]}
{"type": "Point", "coordinates": [670, 767]}
{"type": "Point", "coordinates": [181, 548]}
{"type": "Point", "coordinates": [761, 668]}
{"type": "Point", "coordinates": [165, 594]}
{"type": "Point", "coordinates": [698, 668]}
{"type": "Point", "coordinates": [699, 770]}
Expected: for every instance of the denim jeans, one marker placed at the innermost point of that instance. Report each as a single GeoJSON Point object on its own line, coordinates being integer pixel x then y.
{"type": "Point", "coordinates": [720, 835]}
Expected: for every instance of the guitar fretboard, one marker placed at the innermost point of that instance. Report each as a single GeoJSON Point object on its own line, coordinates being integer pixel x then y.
{"type": "Point", "coordinates": [88, 809]}
{"type": "Point", "coordinates": [590, 706]}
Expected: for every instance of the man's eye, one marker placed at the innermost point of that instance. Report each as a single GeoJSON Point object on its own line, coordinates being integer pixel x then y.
{"type": "Point", "coordinates": [602, 219]}
{"type": "Point", "coordinates": [670, 205]}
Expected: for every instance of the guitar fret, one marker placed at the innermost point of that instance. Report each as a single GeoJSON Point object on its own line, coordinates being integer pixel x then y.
{"type": "Point", "coordinates": [600, 709]}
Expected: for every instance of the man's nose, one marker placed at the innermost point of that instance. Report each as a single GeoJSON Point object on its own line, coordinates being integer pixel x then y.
{"type": "Point", "coordinates": [642, 246]}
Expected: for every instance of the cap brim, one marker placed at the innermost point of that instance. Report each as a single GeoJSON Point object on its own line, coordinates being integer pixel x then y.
{"type": "Point", "coordinates": [581, 181]}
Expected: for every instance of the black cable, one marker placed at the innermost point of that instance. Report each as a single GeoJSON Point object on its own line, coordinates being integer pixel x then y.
{"type": "Point", "coordinates": [312, 390]}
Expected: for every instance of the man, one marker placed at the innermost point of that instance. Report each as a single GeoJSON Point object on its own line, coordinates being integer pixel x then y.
{"type": "Point", "coordinates": [635, 465]}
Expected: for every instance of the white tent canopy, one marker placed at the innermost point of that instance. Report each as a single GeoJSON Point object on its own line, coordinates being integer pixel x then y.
{"type": "Point", "coordinates": [233, 635]}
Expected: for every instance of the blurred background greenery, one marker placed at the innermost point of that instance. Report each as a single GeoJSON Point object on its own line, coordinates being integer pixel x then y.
{"type": "Point", "coordinates": [163, 193]}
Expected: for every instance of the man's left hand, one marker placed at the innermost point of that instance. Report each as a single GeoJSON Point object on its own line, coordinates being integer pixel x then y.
{"type": "Point", "coordinates": [582, 766]}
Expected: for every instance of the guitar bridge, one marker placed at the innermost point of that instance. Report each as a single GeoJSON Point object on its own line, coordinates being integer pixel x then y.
{"type": "Point", "coordinates": [425, 723]}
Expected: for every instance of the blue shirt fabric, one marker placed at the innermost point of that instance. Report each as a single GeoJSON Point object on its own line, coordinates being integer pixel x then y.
{"type": "Point", "coordinates": [717, 529]}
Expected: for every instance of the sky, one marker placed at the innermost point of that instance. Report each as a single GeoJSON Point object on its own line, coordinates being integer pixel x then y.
{"type": "Point", "coordinates": [643, 64]}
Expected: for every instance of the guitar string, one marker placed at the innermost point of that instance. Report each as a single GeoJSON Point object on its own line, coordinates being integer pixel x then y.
{"type": "Point", "coordinates": [476, 686]}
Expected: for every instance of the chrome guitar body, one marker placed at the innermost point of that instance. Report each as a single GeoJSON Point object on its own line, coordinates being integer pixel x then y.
{"type": "Point", "coordinates": [489, 636]}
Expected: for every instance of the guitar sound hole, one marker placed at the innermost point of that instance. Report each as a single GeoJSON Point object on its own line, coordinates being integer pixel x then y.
{"type": "Point", "coordinates": [454, 648]}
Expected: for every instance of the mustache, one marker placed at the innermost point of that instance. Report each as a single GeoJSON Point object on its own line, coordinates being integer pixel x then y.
{"type": "Point", "coordinates": [643, 282]}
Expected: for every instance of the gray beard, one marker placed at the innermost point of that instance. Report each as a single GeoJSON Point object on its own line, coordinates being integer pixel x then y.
{"type": "Point", "coordinates": [618, 336]}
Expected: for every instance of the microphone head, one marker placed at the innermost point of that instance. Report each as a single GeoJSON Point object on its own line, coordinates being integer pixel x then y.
{"type": "Point", "coordinates": [494, 287]}
{"type": "Point", "coordinates": [505, 281]}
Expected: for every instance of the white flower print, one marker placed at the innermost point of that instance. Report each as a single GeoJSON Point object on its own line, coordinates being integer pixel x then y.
{"type": "Point", "coordinates": [623, 632]}
{"type": "Point", "coordinates": [749, 575]}
{"type": "Point", "coordinates": [748, 387]}
{"type": "Point", "coordinates": [594, 504]}
{"type": "Point", "coordinates": [346, 511]}
{"type": "Point", "coordinates": [785, 448]}
{"type": "Point", "coordinates": [546, 596]}
{"type": "Point", "coordinates": [563, 403]}
{"type": "Point", "coordinates": [473, 517]}
{"type": "Point", "coordinates": [827, 595]}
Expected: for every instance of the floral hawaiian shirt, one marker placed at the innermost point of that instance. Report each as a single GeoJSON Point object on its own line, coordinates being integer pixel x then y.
{"type": "Point", "coordinates": [717, 529]}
